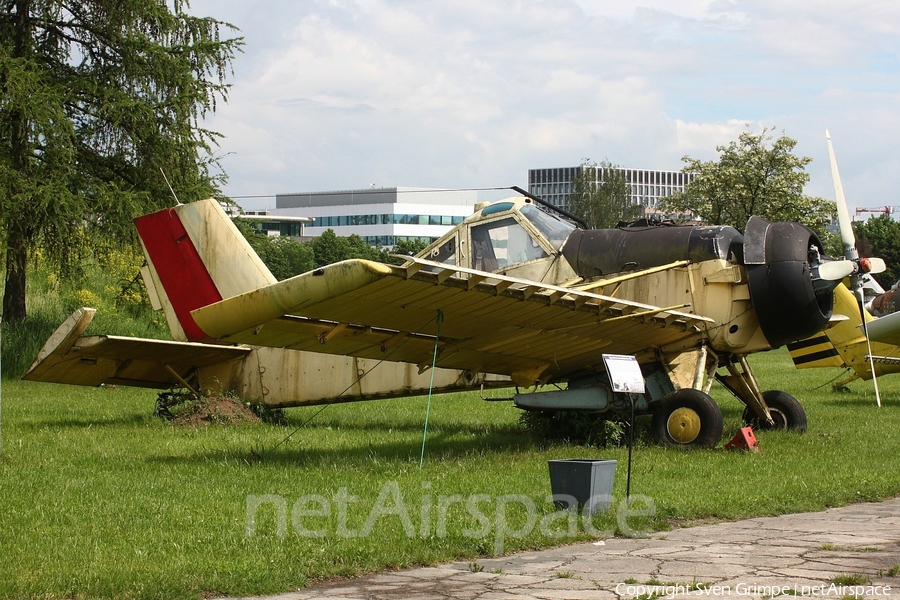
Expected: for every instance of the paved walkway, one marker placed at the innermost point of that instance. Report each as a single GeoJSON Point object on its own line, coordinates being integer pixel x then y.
{"type": "Point", "coordinates": [838, 553]}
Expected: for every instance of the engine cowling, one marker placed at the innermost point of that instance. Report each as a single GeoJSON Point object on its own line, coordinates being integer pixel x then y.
{"type": "Point", "coordinates": [776, 256]}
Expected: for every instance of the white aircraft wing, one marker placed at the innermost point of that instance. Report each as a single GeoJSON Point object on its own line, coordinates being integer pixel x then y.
{"type": "Point", "coordinates": [885, 329]}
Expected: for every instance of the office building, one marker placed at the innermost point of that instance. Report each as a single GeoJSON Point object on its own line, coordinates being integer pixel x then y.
{"type": "Point", "coordinates": [647, 186]}
{"type": "Point", "coordinates": [381, 216]}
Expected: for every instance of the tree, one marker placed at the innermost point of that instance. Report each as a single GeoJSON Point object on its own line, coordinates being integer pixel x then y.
{"type": "Point", "coordinates": [97, 99]}
{"type": "Point", "coordinates": [405, 248]}
{"type": "Point", "coordinates": [880, 236]}
{"type": "Point", "coordinates": [751, 177]}
{"type": "Point", "coordinates": [284, 256]}
{"type": "Point", "coordinates": [601, 196]}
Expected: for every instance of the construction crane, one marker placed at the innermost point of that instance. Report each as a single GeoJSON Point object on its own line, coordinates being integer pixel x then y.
{"type": "Point", "coordinates": [885, 210]}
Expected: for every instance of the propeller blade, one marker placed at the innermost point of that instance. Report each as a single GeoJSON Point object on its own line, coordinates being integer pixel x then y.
{"type": "Point", "coordinates": [851, 254]}
{"type": "Point", "coordinates": [836, 270]}
{"type": "Point", "coordinates": [873, 265]}
{"type": "Point", "coordinates": [844, 222]}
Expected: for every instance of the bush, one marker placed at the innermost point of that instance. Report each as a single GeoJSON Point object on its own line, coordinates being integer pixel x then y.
{"type": "Point", "coordinates": [578, 427]}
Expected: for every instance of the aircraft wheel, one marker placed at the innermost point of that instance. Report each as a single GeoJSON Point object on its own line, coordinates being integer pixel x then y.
{"type": "Point", "coordinates": [786, 411]}
{"type": "Point", "coordinates": [687, 418]}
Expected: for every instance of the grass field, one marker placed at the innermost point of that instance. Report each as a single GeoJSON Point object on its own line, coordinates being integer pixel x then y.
{"type": "Point", "coordinates": [100, 499]}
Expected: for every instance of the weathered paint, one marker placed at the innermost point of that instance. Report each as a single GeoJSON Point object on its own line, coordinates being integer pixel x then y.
{"type": "Point", "coordinates": [246, 311]}
{"type": "Point", "coordinates": [179, 268]}
{"type": "Point", "coordinates": [226, 255]}
{"type": "Point", "coordinates": [69, 357]}
{"type": "Point", "coordinates": [278, 378]}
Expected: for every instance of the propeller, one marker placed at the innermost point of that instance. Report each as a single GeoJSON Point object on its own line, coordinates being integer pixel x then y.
{"type": "Point", "coordinates": [836, 270]}
{"type": "Point", "coordinates": [860, 266]}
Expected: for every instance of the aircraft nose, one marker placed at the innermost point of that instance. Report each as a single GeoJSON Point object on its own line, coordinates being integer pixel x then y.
{"type": "Point", "coordinates": [789, 290]}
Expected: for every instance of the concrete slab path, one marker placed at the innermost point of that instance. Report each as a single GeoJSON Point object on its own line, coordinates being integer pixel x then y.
{"type": "Point", "coordinates": [852, 551]}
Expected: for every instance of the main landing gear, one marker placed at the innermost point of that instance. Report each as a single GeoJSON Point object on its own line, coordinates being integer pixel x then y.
{"type": "Point", "coordinates": [786, 411]}
{"type": "Point", "coordinates": [690, 418]}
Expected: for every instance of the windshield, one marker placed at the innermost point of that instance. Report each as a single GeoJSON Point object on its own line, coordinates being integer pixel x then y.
{"type": "Point", "coordinates": [554, 229]}
{"type": "Point", "coordinates": [501, 244]}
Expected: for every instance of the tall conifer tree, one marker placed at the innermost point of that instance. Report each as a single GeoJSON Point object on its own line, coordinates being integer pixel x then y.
{"type": "Point", "coordinates": [99, 98]}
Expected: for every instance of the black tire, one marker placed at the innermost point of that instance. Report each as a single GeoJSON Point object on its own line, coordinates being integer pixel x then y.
{"type": "Point", "coordinates": [786, 411]}
{"type": "Point", "coordinates": [687, 418]}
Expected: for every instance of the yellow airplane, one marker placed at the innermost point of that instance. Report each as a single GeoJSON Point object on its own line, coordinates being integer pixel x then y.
{"type": "Point", "coordinates": [514, 296]}
{"type": "Point", "coordinates": [844, 344]}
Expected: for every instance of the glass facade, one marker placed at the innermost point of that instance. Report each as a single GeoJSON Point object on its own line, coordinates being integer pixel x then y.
{"type": "Point", "coordinates": [387, 241]}
{"type": "Point", "coordinates": [386, 219]}
{"type": "Point", "coordinates": [288, 229]}
{"type": "Point", "coordinates": [647, 186]}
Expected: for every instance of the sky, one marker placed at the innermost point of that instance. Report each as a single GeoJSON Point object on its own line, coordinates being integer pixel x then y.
{"type": "Point", "coordinates": [347, 94]}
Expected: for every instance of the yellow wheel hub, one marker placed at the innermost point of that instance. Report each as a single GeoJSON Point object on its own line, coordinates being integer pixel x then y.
{"type": "Point", "coordinates": [683, 425]}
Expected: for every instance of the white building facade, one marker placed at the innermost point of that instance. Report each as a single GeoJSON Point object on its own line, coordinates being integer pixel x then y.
{"type": "Point", "coordinates": [647, 185]}
{"type": "Point", "coordinates": [381, 216]}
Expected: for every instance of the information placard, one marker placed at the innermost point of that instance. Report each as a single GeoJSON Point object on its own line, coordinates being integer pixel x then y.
{"type": "Point", "coordinates": [624, 373]}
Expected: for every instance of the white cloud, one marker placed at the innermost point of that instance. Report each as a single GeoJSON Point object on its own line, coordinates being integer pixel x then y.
{"type": "Point", "coordinates": [464, 94]}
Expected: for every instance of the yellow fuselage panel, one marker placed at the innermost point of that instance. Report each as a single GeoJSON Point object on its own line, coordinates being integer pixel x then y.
{"type": "Point", "coordinates": [715, 289]}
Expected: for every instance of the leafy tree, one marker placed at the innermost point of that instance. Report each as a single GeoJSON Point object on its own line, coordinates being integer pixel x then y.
{"type": "Point", "coordinates": [328, 248]}
{"type": "Point", "coordinates": [359, 248]}
{"type": "Point", "coordinates": [880, 236]}
{"type": "Point", "coordinates": [97, 99]}
{"type": "Point", "coordinates": [753, 176]}
{"type": "Point", "coordinates": [405, 248]}
{"type": "Point", "coordinates": [284, 256]}
{"type": "Point", "coordinates": [601, 196]}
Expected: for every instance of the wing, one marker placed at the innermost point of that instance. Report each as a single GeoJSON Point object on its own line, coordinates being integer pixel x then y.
{"type": "Point", "coordinates": [885, 329]}
{"type": "Point", "coordinates": [492, 323]}
{"type": "Point", "coordinates": [69, 357]}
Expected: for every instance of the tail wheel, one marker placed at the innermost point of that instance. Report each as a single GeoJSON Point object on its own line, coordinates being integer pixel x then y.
{"type": "Point", "coordinates": [687, 418]}
{"type": "Point", "coordinates": [786, 411]}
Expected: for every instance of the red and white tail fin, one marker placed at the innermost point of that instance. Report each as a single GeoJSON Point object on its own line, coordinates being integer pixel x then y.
{"type": "Point", "coordinates": [195, 257]}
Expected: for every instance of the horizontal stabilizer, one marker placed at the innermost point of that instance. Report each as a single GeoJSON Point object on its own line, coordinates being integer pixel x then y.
{"type": "Point", "coordinates": [69, 357]}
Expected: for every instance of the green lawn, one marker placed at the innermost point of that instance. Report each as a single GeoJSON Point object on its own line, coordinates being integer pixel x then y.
{"type": "Point", "coordinates": [100, 499]}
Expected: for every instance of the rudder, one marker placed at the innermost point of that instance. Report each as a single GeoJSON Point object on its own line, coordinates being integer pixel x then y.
{"type": "Point", "coordinates": [195, 257]}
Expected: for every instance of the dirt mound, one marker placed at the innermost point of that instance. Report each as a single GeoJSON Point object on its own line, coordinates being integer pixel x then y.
{"type": "Point", "coordinates": [214, 411]}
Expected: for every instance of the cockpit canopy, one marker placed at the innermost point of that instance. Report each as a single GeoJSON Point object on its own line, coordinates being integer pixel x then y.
{"type": "Point", "coordinates": [500, 236]}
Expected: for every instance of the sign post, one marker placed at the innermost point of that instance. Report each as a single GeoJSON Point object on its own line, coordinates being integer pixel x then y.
{"type": "Point", "coordinates": [1, 386]}
{"type": "Point", "coordinates": [625, 377]}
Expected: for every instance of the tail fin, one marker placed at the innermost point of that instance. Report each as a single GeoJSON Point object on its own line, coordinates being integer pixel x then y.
{"type": "Point", "coordinates": [815, 351]}
{"type": "Point", "coordinates": [195, 257]}
{"type": "Point", "coordinates": [839, 345]}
